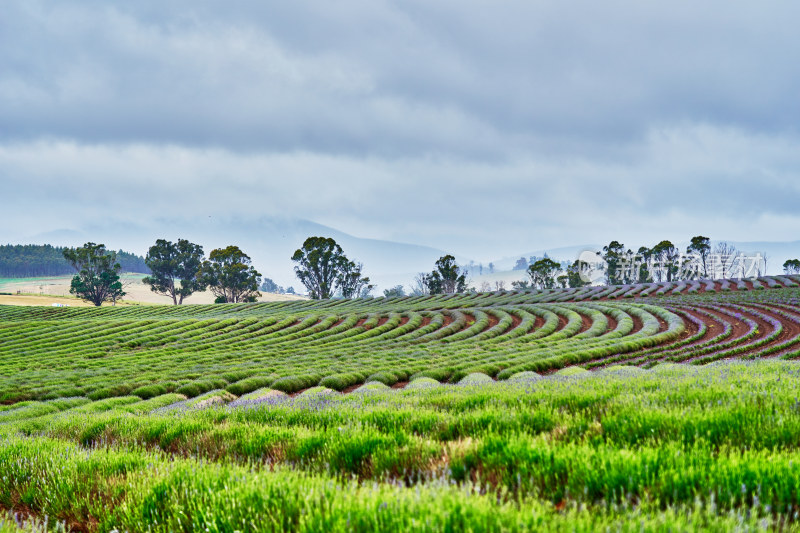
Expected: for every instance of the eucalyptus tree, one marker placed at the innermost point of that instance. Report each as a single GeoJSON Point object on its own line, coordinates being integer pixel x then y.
{"type": "Point", "coordinates": [446, 278]}
{"type": "Point", "coordinates": [701, 248]}
{"type": "Point", "coordinates": [229, 275]}
{"type": "Point", "coordinates": [543, 273]}
{"type": "Point", "coordinates": [323, 268]}
{"type": "Point", "coordinates": [174, 268]}
{"type": "Point", "coordinates": [97, 280]}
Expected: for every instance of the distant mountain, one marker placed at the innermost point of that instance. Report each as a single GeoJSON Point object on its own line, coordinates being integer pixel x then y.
{"type": "Point", "coordinates": [269, 241]}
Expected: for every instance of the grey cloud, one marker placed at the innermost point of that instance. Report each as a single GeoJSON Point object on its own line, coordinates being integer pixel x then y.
{"type": "Point", "coordinates": [477, 79]}
{"type": "Point", "coordinates": [476, 127]}
{"type": "Point", "coordinates": [720, 182]}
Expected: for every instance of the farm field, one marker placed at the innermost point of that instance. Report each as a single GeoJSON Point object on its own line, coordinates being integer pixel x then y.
{"type": "Point", "coordinates": [670, 406]}
{"type": "Point", "coordinates": [55, 289]}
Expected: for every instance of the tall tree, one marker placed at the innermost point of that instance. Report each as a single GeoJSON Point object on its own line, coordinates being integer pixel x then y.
{"type": "Point", "coordinates": [323, 268]}
{"type": "Point", "coordinates": [318, 263]}
{"type": "Point", "coordinates": [522, 285]}
{"type": "Point", "coordinates": [726, 259]}
{"type": "Point", "coordinates": [97, 280]}
{"type": "Point", "coordinates": [791, 266]}
{"type": "Point", "coordinates": [351, 282]}
{"type": "Point", "coordinates": [174, 268]}
{"type": "Point", "coordinates": [230, 276]}
{"type": "Point", "coordinates": [270, 286]}
{"type": "Point", "coordinates": [543, 273]}
{"type": "Point", "coordinates": [576, 274]}
{"type": "Point", "coordinates": [644, 265]}
{"type": "Point", "coordinates": [395, 292]}
{"type": "Point", "coordinates": [447, 277]}
{"type": "Point", "coordinates": [614, 256]}
{"type": "Point", "coordinates": [701, 247]}
{"type": "Point", "coordinates": [667, 257]}
{"type": "Point", "coordinates": [420, 285]}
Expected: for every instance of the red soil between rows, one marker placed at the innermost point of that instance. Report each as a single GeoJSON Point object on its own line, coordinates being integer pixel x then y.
{"type": "Point", "coordinates": [637, 324]}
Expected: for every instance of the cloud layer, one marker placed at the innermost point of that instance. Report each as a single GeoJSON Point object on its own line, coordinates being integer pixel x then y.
{"type": "Point", "coordinates": [481, 127]}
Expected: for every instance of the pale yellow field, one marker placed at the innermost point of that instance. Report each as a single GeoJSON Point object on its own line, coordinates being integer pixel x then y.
{"type": "Point", "coordinates": [36, 300]}
{"type": "Point", "coordinates": [47, 291]}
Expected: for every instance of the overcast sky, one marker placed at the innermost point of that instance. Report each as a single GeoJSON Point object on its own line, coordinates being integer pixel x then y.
{"type": "Point", "coordinates": [486, 128]}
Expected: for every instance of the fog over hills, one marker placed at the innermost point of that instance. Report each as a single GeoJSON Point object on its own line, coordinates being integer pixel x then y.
{"type": "Point", "coordinates": [271, 241]}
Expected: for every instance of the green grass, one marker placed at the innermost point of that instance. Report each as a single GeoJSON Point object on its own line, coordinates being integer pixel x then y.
{"type": "Point", "coordinates": [686, 448]}
{"type": "Point", "coordinates": [181, 419]}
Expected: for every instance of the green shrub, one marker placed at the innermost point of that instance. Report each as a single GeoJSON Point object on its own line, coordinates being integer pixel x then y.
{"type": "Point", "coordinates": [110, 392]}
{"type": "Point", "coordinates": [290, 384]}
{"type": "Point", "coordinates": [525, 376]}
{"type": "Point", "coordinates": [316, 391]}
{"type": "Point", "coordinates": [571, 371]}
{"type": "Point", "coordinates": [439, 374]}
{"type": "Point", "coordinates": [340, 382]}
{"type": "Point", "coordinates": [373, 386]}
{"type": "Point", "coordinates": [15, 396]}
{"type": "Point", "coordinates": [423, 383]}
{"type": "Point", "coordinates": [623, 369]}
{"type": "Point", "coordinates": [250, 384]}
{"type": "Point", "coordinates": [66, 392]}
{"type": "Point", "coordinates": [476, 378]}
{"type": "Point", "coordinates": [387, 378]}
{"type": "Point", "coordinates": [236, 375]}
{"type": "Point", "coordinates": [149, 391]}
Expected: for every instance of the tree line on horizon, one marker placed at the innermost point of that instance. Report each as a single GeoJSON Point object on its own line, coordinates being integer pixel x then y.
{"type": "Point", "coordinates": [178, 270]}
{"type": "Point", "coordinates": [40, 260]}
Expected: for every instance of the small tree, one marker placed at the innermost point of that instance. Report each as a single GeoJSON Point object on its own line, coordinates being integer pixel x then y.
{"type": "Point", "coordinates": [97, 280]}
{"type": "Point", "coordinates": [644, 265]}
{"type": "Point", "coordinates": [420, 285]}
{"type": "Point", "coordinates": [447, 277]}
{"type": "Point", "coordinates": [726, 258]}
{"type": "Point", "coordinates": [521, 264]}
{"type": "Point", "coordinates": [230, 276]}
{"type": "Point", "coordinates": [323, 268]}
{"type": "Point", "coordinates": [576, 273]}
{"type": "Point", "coordinates": [318, 266]}
{"type": "Point", "coordinates": [667, 257]}
{"type": "Point", "coordinates": [350, 281]}
{"type": "Point", "coordinates": [543, 273]}
{"type": "Point", "coordinates": [174, 268]}
{"type": "Point", "coordinates": [791, 266]}
{"type": "Point", "coordinates": [270, 286]}
{"type": "Point", "coordinates": [521, 285]}
{"type": "Point", "coordinates": [701, 247]}
{"type": "Point", "coordinates": [395, 292]}
{"type": "Point", "coordinates": [613, 255]}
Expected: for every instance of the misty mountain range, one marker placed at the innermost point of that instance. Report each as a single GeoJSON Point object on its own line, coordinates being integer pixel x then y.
{"type": "Point", "coordinates": [271, 241]}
